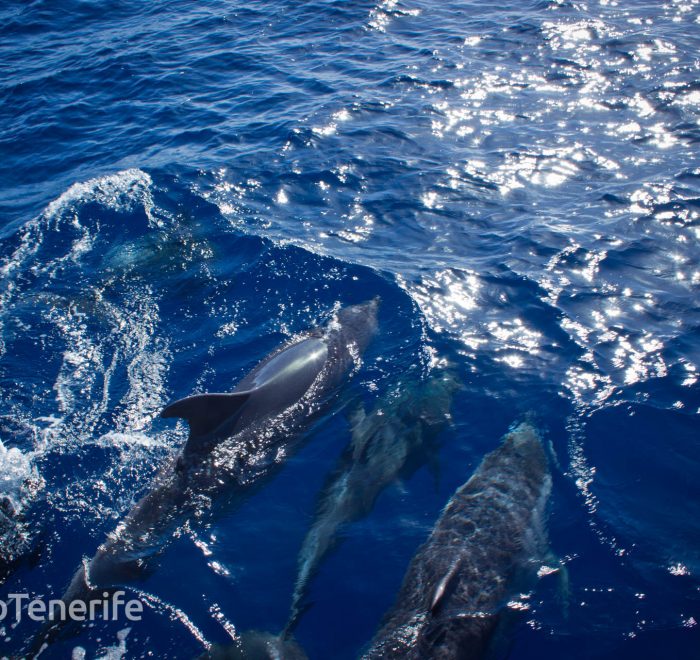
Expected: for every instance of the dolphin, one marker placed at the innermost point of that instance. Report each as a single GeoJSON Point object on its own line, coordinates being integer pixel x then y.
{"type": "Point", "coordinates": [399, 431]}
{"type": "Point", "coordinates": [13, 537]}
{"type": "Point", "coordinates": [21, 485]}
{"type": "Point", "coordinates": [235, 440]}
{"type": "Point", "coordinates": [490, 535]}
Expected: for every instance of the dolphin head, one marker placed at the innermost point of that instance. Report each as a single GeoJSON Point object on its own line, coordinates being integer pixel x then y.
{"type": "Point", "coordinates": [524, 437]}
{"type": "Point", "coordinates": [358, 323]}
{"type": "Point", "coordinates": [523, 446]}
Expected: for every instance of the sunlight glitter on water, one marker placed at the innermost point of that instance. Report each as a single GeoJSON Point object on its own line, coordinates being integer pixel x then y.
{"type": "Point", "coordinates": [360, 224]}
{"type": "Point", "coordinates": [381, 15]}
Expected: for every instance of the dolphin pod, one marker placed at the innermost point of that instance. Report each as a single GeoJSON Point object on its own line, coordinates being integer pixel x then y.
{"type": "Point", "coordinates": [490, 535]}
{"type": "Point", "coordinates": [487, 543]}
{"type": "Point", "coordinates": [235, 440]}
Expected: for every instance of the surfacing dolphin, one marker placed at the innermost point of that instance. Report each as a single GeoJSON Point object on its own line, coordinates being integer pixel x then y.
{"type": "Point", "coordinates": [394, 438]}
{"type": "Point", "coordinates": [236, 439]}
{"type": "Point", "coordinates": [490, 535]}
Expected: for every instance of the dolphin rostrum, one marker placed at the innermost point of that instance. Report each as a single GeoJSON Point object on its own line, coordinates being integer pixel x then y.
{"type": "Point", "coordinates": [235, 440]}
{"type": "Point", "coordinates": [399, 431]}
{"type": "Point", "coordinates": [490, 534]}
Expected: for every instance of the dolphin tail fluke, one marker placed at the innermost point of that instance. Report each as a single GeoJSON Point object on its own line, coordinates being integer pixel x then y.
{"type": "Point", "coordinates": [563, 596]}
{"type": "Point", "coordinates": [55, 624]}
{"type": "Point", "coordinates": [205, 412]}
{"type": "Point", "coordinates": [297, 612]}
{"type": "Point", "coordinates": [564, 591]}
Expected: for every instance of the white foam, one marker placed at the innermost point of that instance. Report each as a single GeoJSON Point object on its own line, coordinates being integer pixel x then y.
{"type": "Point", "coordinates": [19, 485]}
{"type": "Point", "coordinates": [148, 358]}
{"type": "Point", "coordinates": [90, 359]}
{"type": "Point", "coordinates": [122, 191]}
{"type": "Point", "coordinates": [129, 440]}
{"type": "Point", "coordinates": [97, 336]}
{"type": "Point", "coordinates": [118, 651]}
{"type": "Point", "coordinates": [16, 473]}
{"type": "Point", "coordinates": [81, 366]}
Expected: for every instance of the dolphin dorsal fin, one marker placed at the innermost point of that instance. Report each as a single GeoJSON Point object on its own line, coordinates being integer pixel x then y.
{"type": "Point", "coordinates": [445, 586]}
{"type": "Point", "coordinates": [206, 412]}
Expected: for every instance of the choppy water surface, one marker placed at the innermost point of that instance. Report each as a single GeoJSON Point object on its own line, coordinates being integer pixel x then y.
{"type": "Point", "coordinates": [185, 185]}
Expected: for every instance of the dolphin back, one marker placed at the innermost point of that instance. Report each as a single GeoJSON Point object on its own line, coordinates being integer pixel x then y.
{"type": "Point", "coordinates": [275, 384]}
{"type": "Point", "coordinates": [397, 434]}
{"type": "Point", "coordinates": [488, 537]}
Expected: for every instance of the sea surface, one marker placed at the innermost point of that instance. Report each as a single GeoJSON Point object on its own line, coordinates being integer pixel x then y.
{"type": "Point", "coordinates": [186, 184]}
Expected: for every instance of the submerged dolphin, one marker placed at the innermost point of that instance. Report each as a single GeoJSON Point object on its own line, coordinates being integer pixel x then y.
{"type": "Point", "coordinates": [397, 432]}
{"type": "Point", "coordinates": [489, 535]}
{"type": "Point", "coordinates": [235, 440]}
{"type": "Point", "coordinates": [14, 544]}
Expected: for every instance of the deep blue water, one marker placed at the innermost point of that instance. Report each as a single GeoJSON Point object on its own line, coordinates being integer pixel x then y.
{"type": "Point", "coordinates": [184, 185]}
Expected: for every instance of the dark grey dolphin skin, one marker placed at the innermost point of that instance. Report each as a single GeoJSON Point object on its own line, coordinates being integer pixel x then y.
{"type": "Point", "coordinates": [490, 532]}
{"type": "Point", "coordinates": [235, 440]}
{"type": "Point", "coordinates": [13, 542]}
{"type": "Point", "coordinates": [397, 435]}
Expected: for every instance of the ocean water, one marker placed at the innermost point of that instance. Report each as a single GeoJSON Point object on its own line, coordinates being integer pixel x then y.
{"type": "Point", "coordinates": [184, 185]}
